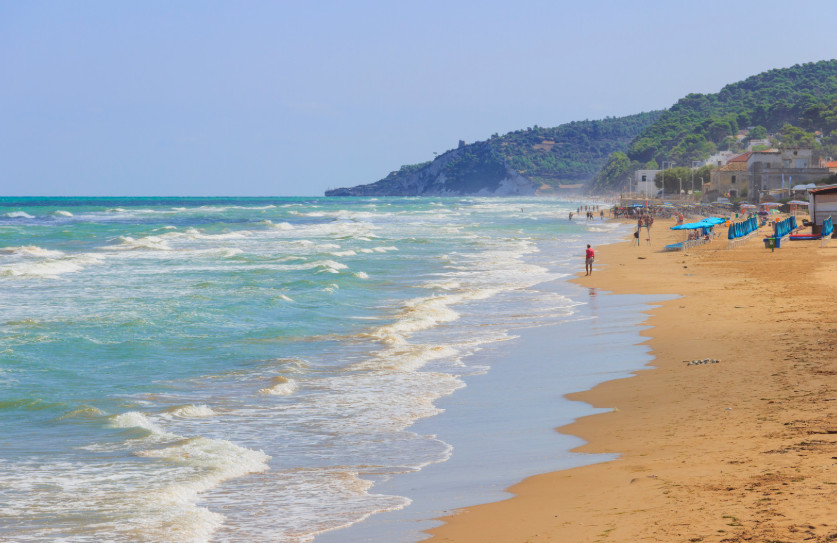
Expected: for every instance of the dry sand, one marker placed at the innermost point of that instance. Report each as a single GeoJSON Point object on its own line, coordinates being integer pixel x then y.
{"type": "Point", "coordinates": [740, 450]}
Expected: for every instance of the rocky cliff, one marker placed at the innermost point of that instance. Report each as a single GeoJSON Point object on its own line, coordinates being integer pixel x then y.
{"type": "Point", "coordinates": [474, 169]}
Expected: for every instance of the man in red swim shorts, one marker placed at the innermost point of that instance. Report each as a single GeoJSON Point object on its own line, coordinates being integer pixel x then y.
{"type": "Point", "coordinates": [588, 266]}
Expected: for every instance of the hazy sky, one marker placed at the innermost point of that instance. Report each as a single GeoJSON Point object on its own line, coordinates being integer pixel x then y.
{"type": "Point", "coordinates": [290, 98]}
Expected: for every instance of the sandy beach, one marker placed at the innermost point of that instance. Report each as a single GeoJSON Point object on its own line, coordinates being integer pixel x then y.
{"type": "Point", "coordinates": [738, 450]}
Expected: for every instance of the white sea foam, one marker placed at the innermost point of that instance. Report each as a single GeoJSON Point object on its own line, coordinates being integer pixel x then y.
{"type": "Point", "coordinates": [202, 464]}
{"type": "Point", "coordinates": [361, 275]}
{"type": "Point", "coordinates": [49, 268]}
{"type": "Point", "coordinates": [221, 460]}
{"type": "Point", "coordinates": [152, 243]}
{"type": "Point", "coordinates": [135, 419]}
{"type": "Point", "coordinates": [192, 411]}
{"type": "Point", "coordinates": [329, 266]}
{"type": "Point", "coordinates": [19, 215]}
{"type": "Point", "coordinates": [225, 252]}
{"type": "Point", "coordinates": [379, 401]}
{"type": "Point", "coordinates": [164, 507]}
{"type": "Point", "coordinates": [230, 252]}
{"type": "Point", "coordinates": [443, 285]}
{"type": "Point", "coordinates": [62, 213]}
{"type": "Point", "coordinates": [197, 234]}
{"type": "Point", "coordinates": [281, 386]}
{"type": "Point", "coordinates": [32, 251]}
{"type": "Point", "coordinates": [343, 253]}
{"type": "Point", "coordinates": [407, 357]}
{"type": "Point", "coordinates": [423, 313]}
{"type": "Point", "coordinates": [293, 365]}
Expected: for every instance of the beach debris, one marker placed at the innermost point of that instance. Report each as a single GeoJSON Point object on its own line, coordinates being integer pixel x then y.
{"type": "Point", "coordinates": [699, 362]}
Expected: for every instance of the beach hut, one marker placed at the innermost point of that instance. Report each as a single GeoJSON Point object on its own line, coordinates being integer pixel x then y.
{"type": "Point", "coordinates": [822, 203]}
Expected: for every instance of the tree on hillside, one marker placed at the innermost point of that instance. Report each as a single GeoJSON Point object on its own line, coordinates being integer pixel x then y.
{"type": "Point", "coordinates": [617, 167]}
{"type": "Point", "coordinates": [693, 147]}
{"type": "Point", "coordinates": [717, 128]}
{"type": "Point", "coordinates": [793, 136]}
{"type": "Point", "coordinates": [758, 133]}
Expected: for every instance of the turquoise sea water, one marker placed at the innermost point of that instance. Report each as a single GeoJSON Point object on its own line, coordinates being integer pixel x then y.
{"type": "Point", "coordinates": [251, 369]}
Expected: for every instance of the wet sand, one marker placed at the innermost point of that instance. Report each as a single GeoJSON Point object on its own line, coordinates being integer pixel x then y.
{"type": "Point", "coordinates": [739, 450]}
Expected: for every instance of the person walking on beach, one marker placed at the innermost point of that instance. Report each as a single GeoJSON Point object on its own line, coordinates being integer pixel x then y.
{"type": "Point", "coordinates": [590, 255]}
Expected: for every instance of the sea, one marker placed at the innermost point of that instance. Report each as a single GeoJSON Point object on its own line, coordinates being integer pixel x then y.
{"type": "Point", "coordinates": [291, 369]}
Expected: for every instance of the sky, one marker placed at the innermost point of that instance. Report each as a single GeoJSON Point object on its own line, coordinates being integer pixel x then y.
{"type": "Point", "coordinates": [251, 98]}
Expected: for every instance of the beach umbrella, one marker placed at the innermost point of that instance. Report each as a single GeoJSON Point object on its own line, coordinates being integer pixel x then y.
{"type": "Point", "coordinates": [770, 204]}
{"type": "Point", "coordinates": [798, 202]}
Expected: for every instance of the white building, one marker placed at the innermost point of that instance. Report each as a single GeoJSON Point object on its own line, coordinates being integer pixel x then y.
{"type": "Point", "coordinates": [644, 182]}
{"type": "Point", "coordinates": [719, 159]}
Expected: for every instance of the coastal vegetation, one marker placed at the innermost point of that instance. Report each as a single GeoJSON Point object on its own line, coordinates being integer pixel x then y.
{"type": "Point", "coordinates": [547, 158]}
{"type": "Point", "coordinates": [569, 153]}
{"type": "Point", "coordinates": [788, 107]}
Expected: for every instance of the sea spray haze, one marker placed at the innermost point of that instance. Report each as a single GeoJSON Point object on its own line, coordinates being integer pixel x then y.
{"type": "Point", "coordinates": [246, 369]}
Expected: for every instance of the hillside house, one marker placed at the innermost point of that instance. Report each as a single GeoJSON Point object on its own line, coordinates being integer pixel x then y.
{"type": "Point", "coordinates": [730, 179]}
{"type": "Point", "coordinates": [775, 171]}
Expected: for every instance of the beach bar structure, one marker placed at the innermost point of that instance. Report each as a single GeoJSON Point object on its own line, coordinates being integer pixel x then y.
{"type": "Point", "coordinates": [822, 203]}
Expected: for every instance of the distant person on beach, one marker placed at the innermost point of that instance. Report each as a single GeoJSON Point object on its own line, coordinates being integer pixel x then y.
{"type": "Point", "coordinates": [571, 215]}
{"type": "Point", "coordinates": [588, 263]}
{"type": "Point", "coordinates": [636, 237]}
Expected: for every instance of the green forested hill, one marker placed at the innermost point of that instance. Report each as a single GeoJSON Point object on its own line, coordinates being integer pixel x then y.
{"type": "Point", "coordinates": [797, 105]}
{"type": "Point", "coordinates": [790, 102]}
{"type": "Point", "coordinates": [542, 157]}
{"type": "Point", "coordinates": [569, 153]}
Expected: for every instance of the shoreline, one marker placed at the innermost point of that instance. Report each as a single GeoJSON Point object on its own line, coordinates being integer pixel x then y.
{"type": "Point", "coordinates": [514, 410]}
{"type": "Point", "coordinates": [715, 452]}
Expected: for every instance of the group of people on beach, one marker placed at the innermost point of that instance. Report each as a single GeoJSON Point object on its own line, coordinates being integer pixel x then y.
{"type": "Point", "coordinates": [589, 210]}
